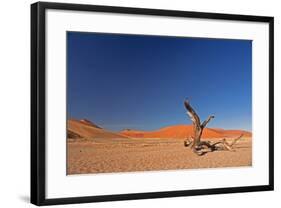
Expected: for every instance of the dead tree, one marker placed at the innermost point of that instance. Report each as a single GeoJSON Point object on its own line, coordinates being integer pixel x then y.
{"type": "Point", "coordinates": [202, 147]}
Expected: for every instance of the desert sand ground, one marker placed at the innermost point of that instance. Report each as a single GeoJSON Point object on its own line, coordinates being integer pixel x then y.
{"type": "Point", "coordinates": [147, 154]}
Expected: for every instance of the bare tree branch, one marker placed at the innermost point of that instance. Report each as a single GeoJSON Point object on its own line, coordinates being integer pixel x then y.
{"type": "Point", "coordinates": [202, 147]}
{"type": "Point", "coordinates": [192, 114]}
{"type": "Point", "coordinates": [236, 140]}
{"type": "Point", "coordinates": [207, 121]}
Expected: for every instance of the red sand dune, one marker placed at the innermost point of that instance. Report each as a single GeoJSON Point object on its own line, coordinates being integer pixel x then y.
{"type": "Point", "coordinates": [183, 131]}
{"type": "Point", "coordinates": [86, 129]}
{"type": "Point", "coordinates": [90, 123]}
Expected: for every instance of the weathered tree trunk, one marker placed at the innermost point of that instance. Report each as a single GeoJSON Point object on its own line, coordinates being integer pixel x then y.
{"type": "Point", "coordinates": [197, 126]}
{"type": "Point", "coordinates": [202, 147]}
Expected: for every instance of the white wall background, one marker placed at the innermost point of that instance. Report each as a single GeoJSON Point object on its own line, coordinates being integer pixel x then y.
{"type": "Point", "coordinates": [15, 102]}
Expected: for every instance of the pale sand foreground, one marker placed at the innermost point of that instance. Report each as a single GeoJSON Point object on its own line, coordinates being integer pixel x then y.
{"type": "Point", "coordinates": [126, 155]}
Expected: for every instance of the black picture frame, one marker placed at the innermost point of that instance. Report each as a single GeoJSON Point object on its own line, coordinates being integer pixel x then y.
{"type": "Point", "coordinates": [38, 106]}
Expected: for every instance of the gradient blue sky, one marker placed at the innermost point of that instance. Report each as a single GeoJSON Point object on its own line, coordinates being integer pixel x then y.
{"type": "Point", "coordinates": [140, 82]}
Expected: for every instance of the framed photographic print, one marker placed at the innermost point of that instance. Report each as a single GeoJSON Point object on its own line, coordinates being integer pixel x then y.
{"type": "Point", "coordinates": [134, 103]}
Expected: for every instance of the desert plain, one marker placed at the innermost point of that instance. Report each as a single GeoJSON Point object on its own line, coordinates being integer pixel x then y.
{"type": "Point", "coordinates": [92, 149]}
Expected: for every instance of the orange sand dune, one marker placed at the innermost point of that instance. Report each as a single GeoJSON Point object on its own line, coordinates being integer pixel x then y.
{"type": "Point", "coordinates": [231, 133]}
{"type": "Point", "coordinates": [237, 132]}
{"type": "Point", "coordinates": [86, 129]}
{"type": "Point", "coordinates": [90, 123]}
{"type": "Point", "coordinates": [182, 131]}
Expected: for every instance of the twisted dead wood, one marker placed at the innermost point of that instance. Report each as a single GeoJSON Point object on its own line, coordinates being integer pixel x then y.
{"type": "Point", "coordinates": [202, 147]}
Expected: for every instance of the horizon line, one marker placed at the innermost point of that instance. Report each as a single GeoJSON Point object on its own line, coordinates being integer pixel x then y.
{"type": "Point", "coordinates": [122, 129]}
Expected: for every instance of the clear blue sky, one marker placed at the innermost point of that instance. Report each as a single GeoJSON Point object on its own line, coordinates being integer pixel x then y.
{"type": "Point", "coordinates": [133, 81]}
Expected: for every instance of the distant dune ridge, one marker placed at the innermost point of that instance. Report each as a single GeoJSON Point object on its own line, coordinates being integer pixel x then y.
{"type": "Point", "coordinates": [87, 129]}
{"type": "Point", "coordinates": [90, 123]}
{"type": "Point", "coordinates": [183, 131]}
